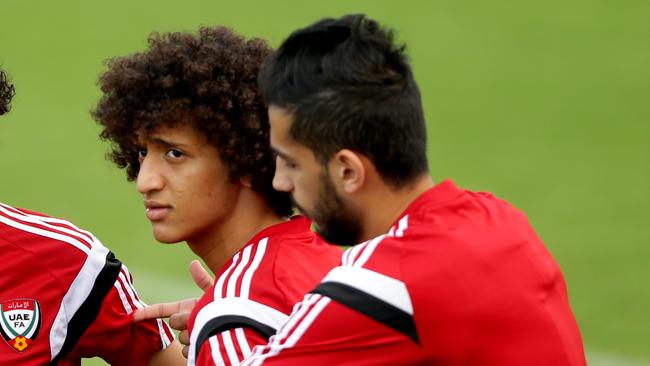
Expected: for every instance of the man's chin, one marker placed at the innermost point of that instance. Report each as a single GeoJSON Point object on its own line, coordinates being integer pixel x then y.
{"type": "Point", "coordinates": [166, 238]}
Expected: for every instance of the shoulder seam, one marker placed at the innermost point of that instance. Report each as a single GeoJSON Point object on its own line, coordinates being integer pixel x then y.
{"type": "Point", "coordinates": [43, 227]}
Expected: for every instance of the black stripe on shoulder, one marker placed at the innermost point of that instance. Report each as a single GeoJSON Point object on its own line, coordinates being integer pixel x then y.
{"type": "Point", "coordinates": [371, 306]}
{"type": "Point", "coordinates": [222, 323]}
{"type": "Point", "coordinates": [90, 308]}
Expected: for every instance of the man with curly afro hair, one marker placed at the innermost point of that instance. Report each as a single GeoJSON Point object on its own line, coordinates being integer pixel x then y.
{"type": "Point", "coordinates": [187, 122]}
{"type": "Point", "coordinates": [68, 295]}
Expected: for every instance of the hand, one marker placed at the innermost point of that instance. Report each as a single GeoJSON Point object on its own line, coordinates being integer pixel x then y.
{"type": "Point", "coordinates": [178, 312]}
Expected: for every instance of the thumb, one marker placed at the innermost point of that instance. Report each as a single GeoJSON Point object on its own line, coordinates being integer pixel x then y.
{"type": "Point", "coordinates": [200, 276]}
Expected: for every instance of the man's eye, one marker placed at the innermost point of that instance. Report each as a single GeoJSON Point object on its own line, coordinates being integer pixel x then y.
{"type": "Point", "coordinates": [141, 154]}
{"type": "Point", "coordinates": [285, 163]}
{"type": "Point", "coordinates": [290, 165]}
{"type": "Point", "coordinates": [174, 154]}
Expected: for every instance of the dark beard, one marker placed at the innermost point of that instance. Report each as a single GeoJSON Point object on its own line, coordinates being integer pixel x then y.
{"type": "Point", "coordinates": [335, 221]}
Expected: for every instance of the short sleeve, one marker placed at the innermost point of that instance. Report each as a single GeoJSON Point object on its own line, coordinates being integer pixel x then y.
{"type": "Point", "coordinates": [115, 337]}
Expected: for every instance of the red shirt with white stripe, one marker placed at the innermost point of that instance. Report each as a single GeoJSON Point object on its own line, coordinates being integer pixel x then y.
{"type": "Point", "coordinates": [255, 291]}
{"type": "Point", "coordinates": [64, 296]}
{"type": "Point", "coordinates": [461, 279]}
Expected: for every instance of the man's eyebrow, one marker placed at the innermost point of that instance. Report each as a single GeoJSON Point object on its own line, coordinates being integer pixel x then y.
{"type": "Point", "coordinates": [280, 153]}
{"type": "Point", "coordinates": [166, 143]}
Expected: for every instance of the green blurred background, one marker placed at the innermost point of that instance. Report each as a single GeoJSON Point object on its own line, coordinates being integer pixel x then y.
{"type": "Point", "coordinates": [545, 104]}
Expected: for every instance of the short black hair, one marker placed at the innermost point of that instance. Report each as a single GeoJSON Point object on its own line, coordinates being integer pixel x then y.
{"type": "Point", "coordinates": [7, 92]}
{"type": "Point", "coordinates": [348, 85]}
{"type": "Point", "coordinates": [207, 79]}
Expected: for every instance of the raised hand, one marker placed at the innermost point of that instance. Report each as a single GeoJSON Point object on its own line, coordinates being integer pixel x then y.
{"type": "Point", "coordinates": [178, 312]}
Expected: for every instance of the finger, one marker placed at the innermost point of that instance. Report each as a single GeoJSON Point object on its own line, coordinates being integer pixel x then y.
{"type": "Point", "coordinates": [184, 337]}
{"type": "Point", "coordinates": [200, 276]}
{"type": "Point", "coordinates": [178, 321]}
{"type": "Point", "coordinates": [163, 310]}
{"type": "Point", "coordinates": [185, 351]}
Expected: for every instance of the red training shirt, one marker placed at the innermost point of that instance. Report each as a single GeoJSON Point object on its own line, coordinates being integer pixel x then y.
{"type": "Point", "coordinates": [255, 291]}
{"type": "Point", "coordinates": [461, 279]}
{"type": "Point", "coordinates": [64, 296]}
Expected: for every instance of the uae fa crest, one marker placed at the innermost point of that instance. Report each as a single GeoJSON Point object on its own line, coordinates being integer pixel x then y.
{"type": "Point", "coordinates": [20, 321]}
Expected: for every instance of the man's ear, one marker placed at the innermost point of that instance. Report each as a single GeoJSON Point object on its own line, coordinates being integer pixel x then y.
{"type": "Point", "coordinates": [348, 170]}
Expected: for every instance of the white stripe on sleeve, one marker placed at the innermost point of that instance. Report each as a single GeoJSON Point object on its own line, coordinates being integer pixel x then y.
{"type": "Point", "coordinates": [353, 253]}
{"type": "Point", "coordinates": [232, 281]}
{"type": "Point", "coordinates": [218, 288]}
{"type": "Point", "coordinates": [386, 288]}
{"type": "Point", "coordinates": [77, 293]}
{"type": "Point", "coordinates": [51, 219]}
{"type": "Point", "coordinates": [48, 234]}
{"type": "Point", "coordinates": [216, 351]}
{"type": "Point", "coordinates": [127, 274]}
{"type": "Point", "coordinates": [122, 294]}
{"type": "Point", "coordinates": [306, 322]}
{"type": "Point", "coordinates": [129, 290]}
{"type": "Point", "coordinates": [230, 348]}
{"type": "Point", "coordinates": [243, 342]}
{"type": "Point", "coordinates": [246, 280]}
{"type": "Point", "coordinates": [313, 306]}
{"type": "Point", "coordinates": [295, 317]}
{"type": "Point", "coordinates": [163, 335]}
{"type": "Point", "coordinates": [233, 306]}
{"type": "Point", "coordinates": [402, 226]}
{"type": "Point", "coordinates": [370, 248]}
{"type": "Point", "coordinates": [74, 237]}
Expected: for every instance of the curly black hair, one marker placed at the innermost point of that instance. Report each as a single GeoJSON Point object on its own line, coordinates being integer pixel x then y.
{"type": "Point", "coordinates": [6, 93]}
{"type": "Point", "coordinates": [209, 80]}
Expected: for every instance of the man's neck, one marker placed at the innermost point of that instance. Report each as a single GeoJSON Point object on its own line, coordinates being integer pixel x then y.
{"type": "Point", "coordinates": [387, 204]}
{"type": "Point", "coordinates": [219, 244]}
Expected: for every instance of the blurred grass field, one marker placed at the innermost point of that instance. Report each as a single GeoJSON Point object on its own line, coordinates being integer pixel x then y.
{"type": "Point", "coordinates": [545, 104]}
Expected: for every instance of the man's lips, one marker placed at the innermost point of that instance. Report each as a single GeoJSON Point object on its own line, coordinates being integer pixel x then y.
{"type": "Point", "coordinates": [156, 211]}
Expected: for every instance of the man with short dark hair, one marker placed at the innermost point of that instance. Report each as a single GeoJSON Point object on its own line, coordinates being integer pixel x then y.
{"type": "Point", "coordinates": [443, 276]}
{"type": "Point", "coordinates": [64, 296]}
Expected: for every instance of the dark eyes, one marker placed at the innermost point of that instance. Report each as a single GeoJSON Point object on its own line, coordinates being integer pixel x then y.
{"type": "Point", "coordinates": [286, 163]}
{"type": "Point", "coordinates": [174, 154]}
{"type": "Point", "coordinates": [141, 154]}
{"type": "Point", "coordinates": [170, 154]}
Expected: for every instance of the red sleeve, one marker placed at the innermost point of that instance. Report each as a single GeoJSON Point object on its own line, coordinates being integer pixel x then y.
{"type": "Point", "coordinates": [315, 335]}
{"type": "Point", "coordinates": [229, 347]}
{"type": "Point", "coordinates": [115, 337]}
